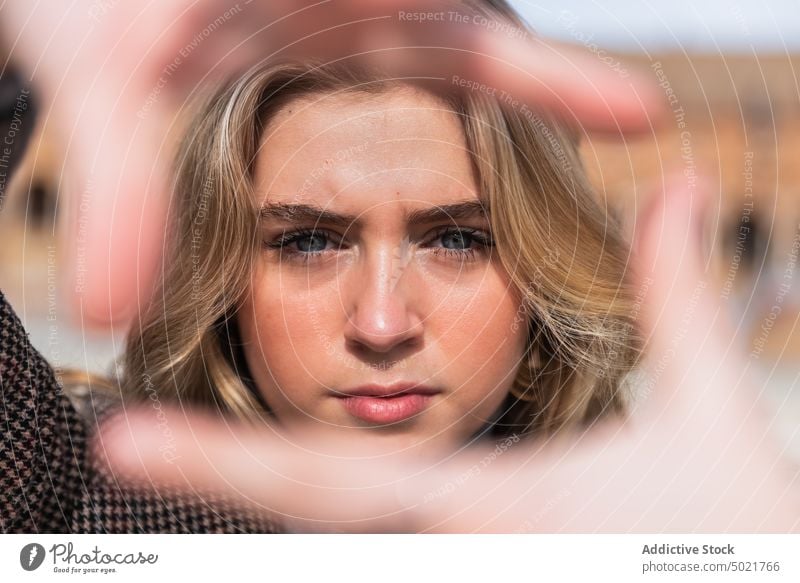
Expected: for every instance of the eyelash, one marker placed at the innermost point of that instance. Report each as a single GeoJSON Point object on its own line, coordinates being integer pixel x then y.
{"type": "Point", "coordinates": [282, 244]}
{"type": "Point", "coordinates": [479, 237]}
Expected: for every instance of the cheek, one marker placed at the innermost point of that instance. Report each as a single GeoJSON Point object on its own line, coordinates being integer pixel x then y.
{"type": "Point", "coordinates": [482, 333]}
{"type": "Point", "coordinates": [482, 349]}
{"type": "Point", "coordinates": [288, 328]}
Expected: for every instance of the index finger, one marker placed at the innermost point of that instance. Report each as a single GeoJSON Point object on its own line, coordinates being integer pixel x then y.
{"type": "Point", "coordinates": [473, 47]}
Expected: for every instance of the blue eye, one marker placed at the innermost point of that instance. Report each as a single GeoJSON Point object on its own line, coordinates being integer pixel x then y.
{"type": "Point", "coordinates": [313, 243]}
{"type": "Point", "coordinates": [457, 240]}
{"type": "Point", "coordinates": [461, 243]}
{"type": "Point", "coordinates": [302, 244]}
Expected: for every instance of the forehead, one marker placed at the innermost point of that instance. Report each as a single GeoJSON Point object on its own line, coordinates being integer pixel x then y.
{"type": "Point", "coordinates": [401, 143]}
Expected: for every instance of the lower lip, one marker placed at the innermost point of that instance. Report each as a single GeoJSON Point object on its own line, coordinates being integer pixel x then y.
{"type": "Point", "coordinates": [386, 409]}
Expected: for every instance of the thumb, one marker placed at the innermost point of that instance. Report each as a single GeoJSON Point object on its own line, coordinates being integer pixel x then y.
{"type": "Point", "coordinates": [681, 320]}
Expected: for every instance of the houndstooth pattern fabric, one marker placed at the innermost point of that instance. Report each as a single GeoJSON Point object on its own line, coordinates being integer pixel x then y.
{"type": "Point", "coordinates": [48, 481]}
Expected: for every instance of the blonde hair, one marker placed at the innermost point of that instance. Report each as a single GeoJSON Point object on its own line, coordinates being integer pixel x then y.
{"type": "Point", "coordinates": [565, 257]}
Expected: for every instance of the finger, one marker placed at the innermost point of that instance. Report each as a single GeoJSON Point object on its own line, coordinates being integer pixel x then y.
{"type": "Point", "coordinates": [688, 340]}
{"type": "Point", "coordinates": [465, 51]}
{"type": "Point", "coordinates": [117, 237]}
{"type": "Point", "coordinates": [314, 482]}
{"type": "Point", "coordinates": [324, 481]}
{"type": "Point", "coordinates": [560, 78]}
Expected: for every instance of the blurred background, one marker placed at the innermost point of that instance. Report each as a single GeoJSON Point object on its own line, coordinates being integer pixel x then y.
{"type": "Point", "coordinates": [728, 74]}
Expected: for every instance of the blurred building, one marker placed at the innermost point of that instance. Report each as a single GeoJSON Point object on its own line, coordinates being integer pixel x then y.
{"type": "Point", "coordinates": [735, 120]}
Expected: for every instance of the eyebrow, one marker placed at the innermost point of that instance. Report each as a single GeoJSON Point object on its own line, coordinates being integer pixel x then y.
{"type": "Point", "coordinates": [304, 213]}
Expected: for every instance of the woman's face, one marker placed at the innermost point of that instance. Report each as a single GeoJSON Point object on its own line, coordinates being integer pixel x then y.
{"type": "Point", "coordinates": [377, 301]}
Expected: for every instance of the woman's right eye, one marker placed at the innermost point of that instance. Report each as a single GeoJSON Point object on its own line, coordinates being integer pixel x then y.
{"type": "Point", "coordinates": [313, 243]}
{"type": "Point", "coordinates": [304, 244]}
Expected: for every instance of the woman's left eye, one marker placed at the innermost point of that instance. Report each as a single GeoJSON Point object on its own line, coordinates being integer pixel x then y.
{"type": "Point", "coordinates": [456, 240]}
{"type": "Point", "coordinates": [461, 242]}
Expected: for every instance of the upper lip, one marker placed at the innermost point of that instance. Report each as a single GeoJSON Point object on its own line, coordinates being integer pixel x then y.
{"type": "Point", "coordinates": [393, 390]}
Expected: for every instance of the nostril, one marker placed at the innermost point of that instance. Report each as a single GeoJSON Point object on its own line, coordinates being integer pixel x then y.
{"type": "Point", "coordinates": [383, 356]}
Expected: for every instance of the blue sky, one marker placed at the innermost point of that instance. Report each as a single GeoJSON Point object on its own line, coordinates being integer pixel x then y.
{"type": "Point", "coordinates": [706, 25]}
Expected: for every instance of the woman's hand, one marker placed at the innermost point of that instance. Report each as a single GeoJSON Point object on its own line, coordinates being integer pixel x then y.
{"type": "Point", "coordinates": [695, 456]}
{"type": "Point", "coordinates": [112, 75]}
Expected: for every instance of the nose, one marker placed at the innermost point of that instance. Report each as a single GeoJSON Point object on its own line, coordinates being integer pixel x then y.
{"type": "Point", "coordinates": [382, 314]}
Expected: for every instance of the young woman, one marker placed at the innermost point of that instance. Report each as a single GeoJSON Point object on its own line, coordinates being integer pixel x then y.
{"type": "Point", "coordinates": [420, 266]}
{"type": "Point", "coordinates": [339, 238]}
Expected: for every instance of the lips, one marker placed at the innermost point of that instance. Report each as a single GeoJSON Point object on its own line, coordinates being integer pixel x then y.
{"type": "Point", "coordinates": [387, 403]}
